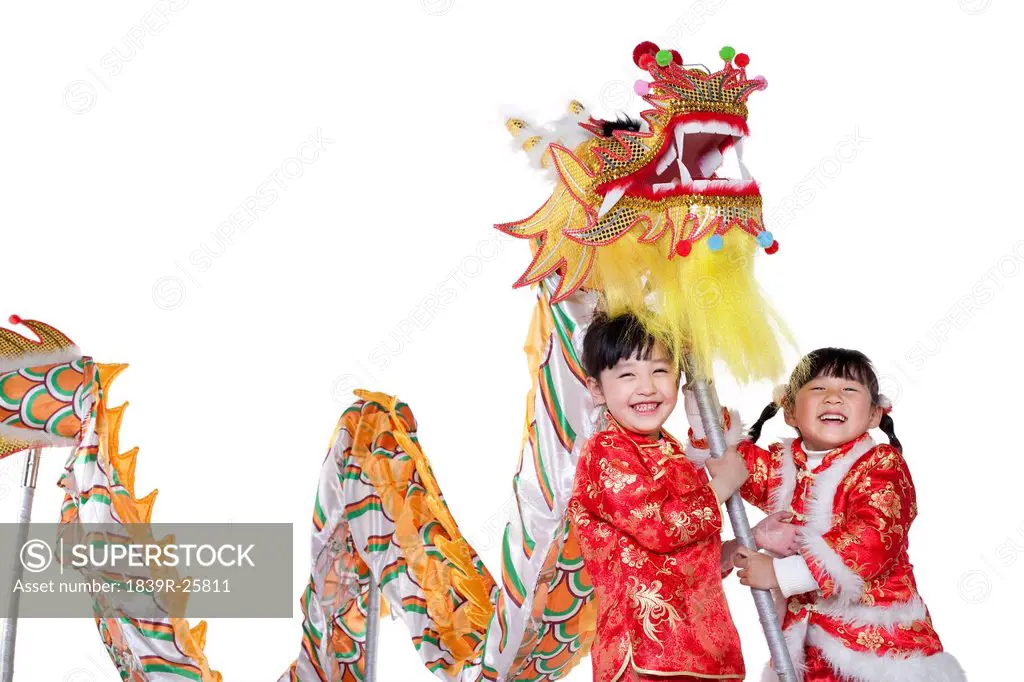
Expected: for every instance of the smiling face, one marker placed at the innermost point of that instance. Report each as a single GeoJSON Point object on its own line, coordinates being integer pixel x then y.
{"type": "Point", "coordinates": [639, 393]}
{"type": "Point", "coordinates": [830, 411]}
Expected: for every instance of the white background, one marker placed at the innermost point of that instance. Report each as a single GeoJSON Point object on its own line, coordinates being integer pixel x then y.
{"type": "Point", "coordinates": [122, 162]}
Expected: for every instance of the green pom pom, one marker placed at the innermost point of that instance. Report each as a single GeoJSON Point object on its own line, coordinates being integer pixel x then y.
{"type": "Point", "coordinates": [727, 53]}
{"type": "Point", "coordinates": [664, 57]}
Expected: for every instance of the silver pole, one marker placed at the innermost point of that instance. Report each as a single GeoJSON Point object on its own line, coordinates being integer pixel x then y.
{"type": "Point", "coordinates": [28, 492]}
{"type": "Point", "coordinates": [372, 629]}
{"type": "Point", "coordinates": [707, 402]}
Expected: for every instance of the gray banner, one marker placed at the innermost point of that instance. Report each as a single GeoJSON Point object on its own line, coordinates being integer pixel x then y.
{"type": "Point", "coordinates": [187, 570]}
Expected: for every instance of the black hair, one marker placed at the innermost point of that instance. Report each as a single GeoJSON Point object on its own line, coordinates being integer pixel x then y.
{"type": "Point", "coordinates": [626, 123]}
{"type": "Point", "coordinates": [611, 339]}
{"type": "Point", "coordinates": [831, 362]}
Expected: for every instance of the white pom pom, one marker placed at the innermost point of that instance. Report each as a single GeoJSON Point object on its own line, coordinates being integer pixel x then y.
{"type": "Point", "coordinates": [779, 393]}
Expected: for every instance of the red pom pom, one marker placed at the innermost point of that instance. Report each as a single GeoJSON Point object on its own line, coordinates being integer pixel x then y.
{"type": "Point", "coordinates": [773, 248]}
{"type": "Point", "coordinates": [646, 47]}
{"type": "Point", "coordinates": [14, 319]}
{"type": "Point", "coordinates": [676, 57]}
{"type": "Point", "coordinates": [684, 247]}
{"type": "Point", "coordinates": [742, 59]}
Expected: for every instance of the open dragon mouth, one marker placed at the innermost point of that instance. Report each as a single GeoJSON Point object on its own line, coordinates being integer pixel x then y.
{"type": "Point", "coordinates": [697, 157]}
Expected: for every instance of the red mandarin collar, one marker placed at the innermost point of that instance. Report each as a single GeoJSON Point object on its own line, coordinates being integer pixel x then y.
{"type": "Point", "coordinates": [638, 438]}
{"type": "Point", "coordinates": [800, 457]}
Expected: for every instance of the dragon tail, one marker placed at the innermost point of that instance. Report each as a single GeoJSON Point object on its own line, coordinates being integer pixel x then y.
{"type": "Point", "coordinates": [50, 395]}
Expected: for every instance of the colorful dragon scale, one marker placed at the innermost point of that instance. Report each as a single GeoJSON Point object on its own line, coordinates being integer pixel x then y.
{"type": "Point", "coordinates": [41, 395]}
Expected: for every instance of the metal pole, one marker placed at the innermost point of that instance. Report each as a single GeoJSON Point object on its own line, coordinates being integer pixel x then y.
{"type": "Point", "coordinates": [707, 402]}
{"type": "Point", "coordinates": [372, 629]}
{"type": "Point", "coordinates": [28, 492]}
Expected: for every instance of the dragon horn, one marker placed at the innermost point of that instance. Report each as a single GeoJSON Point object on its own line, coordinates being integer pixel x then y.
{"type": "Point", "coordinates": [532, 140]}
{"type": "Point", "coordinates": [52, 346]}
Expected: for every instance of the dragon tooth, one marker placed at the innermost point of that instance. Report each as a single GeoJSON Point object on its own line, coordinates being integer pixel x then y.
{"type": "Point", "coordinates": [667, 158]}
{"type": "Point", "coordinates": [610, 199]}
{"type": "Point", "coordinates": [744, 173]}
{"type": "Point", "coordinates": [711, 160]}
{"type": "Point", "coordinates": [684, 175]}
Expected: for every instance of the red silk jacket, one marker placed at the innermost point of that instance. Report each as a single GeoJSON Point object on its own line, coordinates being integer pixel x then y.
{"type": "Point", "coordinates": [648, 524]}
{"type": "Point", "coordinates": [867, 618]}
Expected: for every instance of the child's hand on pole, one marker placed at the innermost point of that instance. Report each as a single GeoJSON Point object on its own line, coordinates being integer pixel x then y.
{"type": "Point", "coordinates": [729, 548]}
{"type": "Point", "coordinates": [728, 473]}
{"type": "Point", "coordinates": [756, 570]}
{"type": "Point", "coordinates": [775, 534]}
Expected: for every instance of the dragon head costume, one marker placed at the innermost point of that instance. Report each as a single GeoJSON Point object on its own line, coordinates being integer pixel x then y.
{"type": "Point", "coordinates": [645, 213]}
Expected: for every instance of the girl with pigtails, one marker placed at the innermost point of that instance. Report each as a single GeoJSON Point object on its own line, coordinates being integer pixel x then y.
{"type": "Point", "coordinates": [840, 509]}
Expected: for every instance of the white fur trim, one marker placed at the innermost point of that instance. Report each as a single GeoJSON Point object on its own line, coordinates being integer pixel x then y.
{"type": "Point", "coordinates": [737, 431]}
{"type": "Point", "coordinates": [793, 576]}
{"type": "Point", "coordinates": [698, 457]}
{"type": "Point", "coordinates": [692, 410]}
{"type": "Point", "coordinates": [890, 616]}
{"type": "Point", "coordinates": [779, 392]}
{"type": "Point", "coordinates": [69, 354]}
{"type": "Point", "coordinates": [564, 130]}
{"type": "Point", "coordinates": [795, 636]}
{"type": "Point", "coordinates": [823, 491]}
{"type": "Point", "coordinates": [849, 585]}
{"type": "Point", "coordinates": [861, 666]}
{"type": "Point", "coordinates": [884, 401]}
{"type": "Point", "coordinates": [38, 438]}
{"type": "Point", "coordinates": [733, 435]}
{"type": "Point", "coordinates": [567, 129]}
{"type": "Point", "coordinates": [781, 497]}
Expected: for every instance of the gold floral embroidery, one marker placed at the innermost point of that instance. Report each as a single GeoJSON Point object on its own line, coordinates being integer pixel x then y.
{"type": "Point", "coordinates": [887, 501]}
{"type": "Point", "coordinates": [704, 515]}
{"type": "Point", "coordinates": [647, 511]}
{"type": "Point", "coordinates": [870, 639]}
{"type": "Point", "coordinates": [614, 479]}
{"type": "Point", "coordinates": [578, 514]}
{"type": "Point", "coordinates": [760, 472]}
{"type": "Point", "coordinates": [668, 567]}
{"type": "Point", "coordinates": [650, 607]}
{"type": "Point", "coordinates": [679, 521]}
{"type": "Point", "coordinates": [601, 531]}
{"type": "Point", "coordinates": [845, 540]}
{"type": "Point", "coordinates": [633, 557]}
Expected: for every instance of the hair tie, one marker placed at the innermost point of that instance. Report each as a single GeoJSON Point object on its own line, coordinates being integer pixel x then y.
{"type": "Point", "coordinates": [885, 403]}
{"type": "Point", "coordinates": [779, 393]}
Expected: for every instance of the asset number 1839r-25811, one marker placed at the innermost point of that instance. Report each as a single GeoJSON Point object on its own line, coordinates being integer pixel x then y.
{"type": "Point", "coordinates": [183, 585]}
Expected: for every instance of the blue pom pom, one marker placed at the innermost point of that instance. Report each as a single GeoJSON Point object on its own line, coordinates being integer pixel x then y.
{"type": "Point", "coordinates": [765, 239]}
{"type": "Point", "coordinates": [715, 242]}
